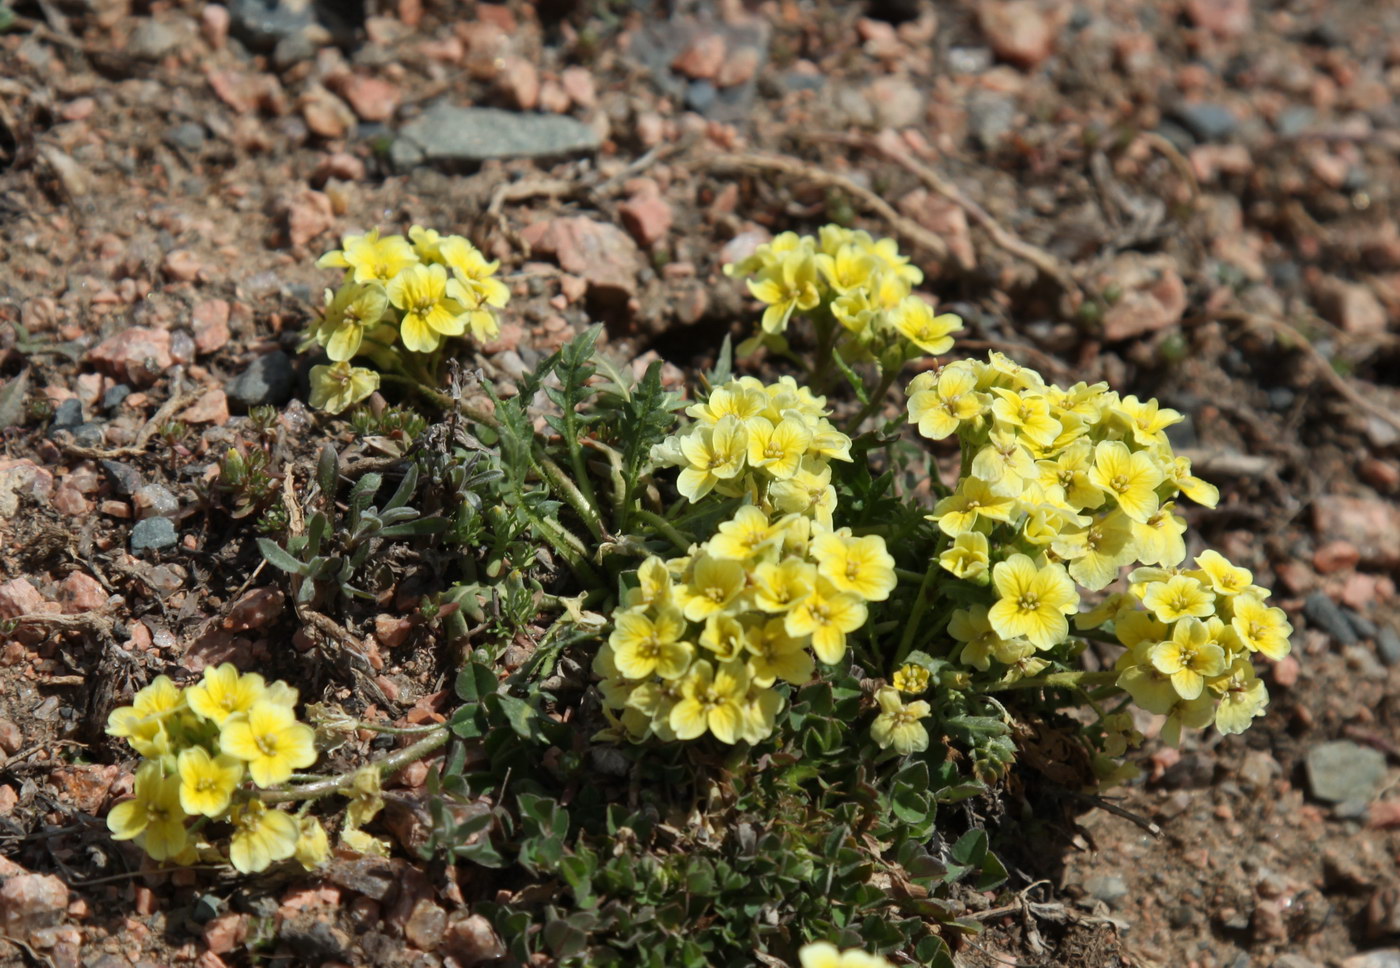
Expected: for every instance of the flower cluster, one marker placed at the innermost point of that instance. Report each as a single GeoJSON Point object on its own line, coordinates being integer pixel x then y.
{"type": "Point", "coordinates": [418, 290]}
{"type": "Point", "coordinates": [773, 444]}
{"type": "Point", "coordinates": [1190, 636]}
{"type": "Point", "coordinates": [864, 284]}
{"type": "Point", "coordinates": [820, 954]}
{"type": "Point", "coordinates": [1061, 489]}
{"type": "Point", "coordinates": [699, 644]}
{"type": "Point", "coordinates": [201, 745]}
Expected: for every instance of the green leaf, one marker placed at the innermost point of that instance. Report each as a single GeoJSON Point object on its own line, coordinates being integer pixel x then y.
{"type": "Point", "coordinates": [724, 364]}
{"type": "Point", "coordinates": [405, 490]}
{"type": "Point", "coordinates": [475, 682]}
{"type": "Point", "coordinates": [328, 473]}
{"type": "Point", "coordinates": [12, 396]}
{"type": "Point", "coordinates": [279, 558]}
{"type": "Point", "coordinates": [970, 849]}
{"type": "Point", "coordinates": [852, 377]}
{"type": "Point", "coordinates": [417, 528]}
{"type": "Point", "coordinates": [517, 712]}
{"type": "Point", "coordinates": [911, 806]}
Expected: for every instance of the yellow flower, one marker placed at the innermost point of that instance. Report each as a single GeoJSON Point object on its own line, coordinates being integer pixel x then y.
{"type": "Point", "coordinates": [714, 584]}
{"type": "Point", "coordinates": [743, 536]}
{"type": "Point", "coordinates": [819, 954]}
{"type": "Point", "coordinates": [914, 319]}
{"type": "Point", "coordinates": [778, 449]}
{"type": "Point", "coordinates": [911, 679]}
{"type": "Point", "coordinates": [313, 847]}
{"type": "Point", "coordinates": [968, 556]}
{"type": "Point", "coordinates": [339, 386]}
{"type": "Point", "coordinates": [350, 311]}
{"type": "Point", "coordinates": [1189, 657]}
{"type": "Point", "coordinates": [941, 403]}
{"type": "Point", "coordinates": [1150, 688]}
{"type": "Point", "coordinates": [654, 584]}
{"type": "Point", "coordinates": [153, 814]}
{"type": "Point", "coordinates": [1159, 538]}
{"type": "Point", "coordinates": [1178, 597]}
{"type": "Point", "coordinates": [1242, 697]}
{"type": "Point", "coordinates": [475, 286]}
{"type": "Point", "coordinates": [1070, 471]}
{"type": "Point", "coordinates": [1202, 492]}
{"type": "Point", "coordinates": [724, 637]}
{"type": "Point", "coordinates": [789, 286]}
{"type": "Point", "coordinates": [1026, 415]}
{"type": "Point", "coordinates": [144, 724]}
{"type": "Point", "coordinates": [712, 454]}
{"type": "Point", "coordinates": [1225, 578]}
{"type": "Point", "coordinates": [223, 692]}
{"type": "Point", "coordinates": [1033, 601]}
{"type": "Point", "coordinates": [732, 399]}
{"type": "Point", "coordinates": [371, 258]}
{"type": "Point", "coordinates": [848, 268]}
{"type": "Point", "coordinates": [430, 305]}
{"type": "Point", "coordinates": [712, 701]}
{"type": "Point", "coordinates": [1131, 478]}
{"type": "Point", "coordinates": [261, 837]}
{"type": "Point", "coordinates": [272, 742]}
{"type": "Point", "coordinates": [1261, 628]}
{"type": "Point", "coordinates": [828, 442]}
{"type": "Point", "coordinates": [808, 492]}
{"type": "Point", "coordinates": [860, 566]}
{"type": "Point", "coordinates": [973, 501]}
{"type": "Point", "coordinates": [1005, 464]}
{"type": "Point", "coordinates": [1097, 551]}
{"type": "Point", "coordinates": [981, 642]}
{"type": "Point", "coordinates": [888, 254]}
{"type": "Point", "coordinates": [780, 586]}
{"type": "Point", "coordinates": [761, 714]}
{"type": "Point", "coordinates": [427, 243]}
{"type": "Point", "coordinates": [644, 646]}
{"type": "Point", "coordinates": [828, 616]}
{"type": "Point", "coordinates": [898, 724]}
{"type": "Point", "coordinates": [206, 782]}
{"type": "Point", "coordinates": [774, 654]}
{"type": "Point", "coordinates": [1147, 420]}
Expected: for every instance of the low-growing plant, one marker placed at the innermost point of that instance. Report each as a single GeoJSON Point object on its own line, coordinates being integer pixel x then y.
{"type": "Point", "coordinates": [808, 643]}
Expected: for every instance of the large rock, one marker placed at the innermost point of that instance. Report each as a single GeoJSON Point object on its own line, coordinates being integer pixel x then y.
{"type": "Point", "coordinates": [1343, 771]}
{"type": "Point", "coordinates": [453, 136]}
{"type": "Point", "coordinates": [602, 254]}
{"type": "Point", "coordinates": [1371, 525]}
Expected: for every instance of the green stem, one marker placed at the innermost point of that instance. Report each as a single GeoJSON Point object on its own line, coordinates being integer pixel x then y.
{"type": "Point", "coordinates": [916, 614]}
{"type": "Point", "coordinates": [387, 766]}
{"type": "Point", "coordinates": [665, 527]}
{"type": "Point", "coordinates": [585, 486]}
{"type": "Point", "coordinates": [873, 404]}
{"type": "Point", "coordinates": [1058, 680]}
{"type": "Point", "coordinates": [568, 546]}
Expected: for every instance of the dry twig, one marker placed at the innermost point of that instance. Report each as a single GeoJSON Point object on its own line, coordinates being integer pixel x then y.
{"type": "Point", "coordinates": [167, 410]}
{"type": "Point", "coordinates": [812, 174]}
{"type": "Point", "coordinates": [1320, 363]}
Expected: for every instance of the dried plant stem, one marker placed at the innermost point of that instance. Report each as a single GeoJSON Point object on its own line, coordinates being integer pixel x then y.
{"type": "Point", "coordinates": [390, 764]}
{"type": "Point", "coordinates": [816, 175]}
{"type": "Point", "coordinates": [1320, 363]}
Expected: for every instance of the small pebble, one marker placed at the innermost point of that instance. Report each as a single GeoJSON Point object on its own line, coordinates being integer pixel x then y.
{"type": "Point", "coordinates": [153, 534]}
{"type": "Point", "coordinates": [1322, 613]}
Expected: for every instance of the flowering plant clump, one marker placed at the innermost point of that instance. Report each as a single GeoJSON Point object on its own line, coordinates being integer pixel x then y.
{"type": "Point", "coordinates": [1061, 489]}
{"type": "Point", "coordinates": [207, 750]}
{"type": "Point", "coordinates": [399, 301]}
{"type": "Point", "coordinates": [700, 642]}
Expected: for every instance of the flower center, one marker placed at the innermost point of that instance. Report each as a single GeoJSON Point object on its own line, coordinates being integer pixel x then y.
{"type": "Point", "coordinates": [1028, 602]}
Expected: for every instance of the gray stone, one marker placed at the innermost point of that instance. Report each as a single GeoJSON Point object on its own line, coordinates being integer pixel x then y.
{"type": "Point", "coordinates": [1294, 120]}
{"type": "Point", "coordinates": [990, 118]}
{"type": "Point", "coordinates": [89, 434]}
{"type": "Point", "coordinates": [700, 95]}
{"type": "Point", "coordinates": [153, 534]}
{"type": "Point", "coordinates": [262, 23]}
{"type": "Point", "coordinates": [1207, 121]}
{"type": "Point", "coordinates": [1388, 645]}
{"type": "Point", "coordinates": [1343, 771]}
{"type": "Point", "coordinates": [450, 135]}
{"type": "Point", "coordinates": [155, 501]}
{"type": "Point", "coordinates": [125, 478]}
{"type": "Point", "coordinates": [1109, 888]}
{"type": "Point", "coordinates": [115, 396]}
{"type": "Point", "coordinates": [1364, 626]}
{"type": "Point", "coordinates": [152, 40]}
{"type": "Point", "coordinates": [188, 136]}
{"type": "Point", "coordinates": [1323, 613]}
{"type": "Point", "coordinates": [66, 416]}
{"type": "Point", "coordinates": [1380, 958]}
{"type": "Point", "coordinates": [268, 379]}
